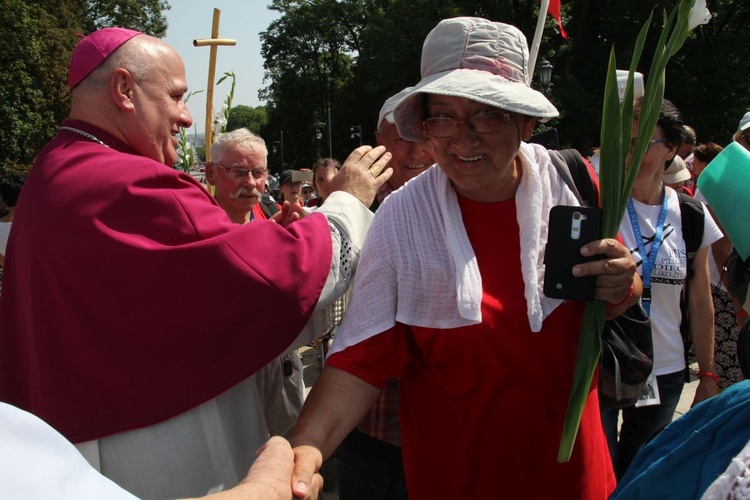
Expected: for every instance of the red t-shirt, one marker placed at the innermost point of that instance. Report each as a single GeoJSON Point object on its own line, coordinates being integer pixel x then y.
{"type": "Point", "coordinates": [482, 407]}
{"type": "Point", "coordinates": [258, 212]}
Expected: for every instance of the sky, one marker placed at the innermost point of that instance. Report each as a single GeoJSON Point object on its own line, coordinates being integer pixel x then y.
{"type": "Point", "coordinates": [241, 20]}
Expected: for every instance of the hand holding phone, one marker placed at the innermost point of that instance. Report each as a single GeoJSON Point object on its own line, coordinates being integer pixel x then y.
{"type": "Point", "coordinates": [570, 228]}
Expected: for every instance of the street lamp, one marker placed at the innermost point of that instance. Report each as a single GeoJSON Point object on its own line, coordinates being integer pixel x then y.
{"type": "Point", "coordinates": [318, 132]}
{"type": "Point", "coordinates": [280, 145]}
{"type": "Point", "coordinates": [545, 74]}
{"type": "Point", "coordinates": [357, 132]}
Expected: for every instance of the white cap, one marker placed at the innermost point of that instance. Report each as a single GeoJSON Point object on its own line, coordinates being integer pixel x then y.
{"type": "Point", "coordinates": [386, 112]}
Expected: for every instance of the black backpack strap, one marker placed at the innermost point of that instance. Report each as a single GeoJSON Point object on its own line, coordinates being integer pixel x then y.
{"type": "Point", "coordinates": [693, 223]}
{"type": "Point", "coordinates": [268, 206]}
{"type": "Point", "coordinates": [575, 172]}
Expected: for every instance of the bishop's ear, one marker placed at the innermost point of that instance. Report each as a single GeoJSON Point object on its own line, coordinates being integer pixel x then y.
{"type": "Point", "coordinates": [121, 88]}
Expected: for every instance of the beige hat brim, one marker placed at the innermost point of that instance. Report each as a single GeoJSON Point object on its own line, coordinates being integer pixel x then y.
{"type": "Point", "coordinates": [680, 176]}
{"type": "Point", "coordinates": [475, 85]}
{"type": "Point", "coordinates": [677, 172]}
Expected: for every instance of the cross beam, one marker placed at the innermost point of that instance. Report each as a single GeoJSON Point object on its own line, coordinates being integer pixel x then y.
{"type": "Point", "coordinates": [213, 43]}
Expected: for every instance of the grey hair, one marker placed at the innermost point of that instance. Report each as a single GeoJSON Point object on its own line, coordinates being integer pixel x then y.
{"type": "Point", "coordinates": [240, 138]}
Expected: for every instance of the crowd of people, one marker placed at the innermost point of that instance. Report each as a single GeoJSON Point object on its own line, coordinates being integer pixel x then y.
{"type": "Point", "coordinates": [422, 258]}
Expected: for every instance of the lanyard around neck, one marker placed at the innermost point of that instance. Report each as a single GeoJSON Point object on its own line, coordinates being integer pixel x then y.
{"type": "Point", "coordinates": [647, 259]}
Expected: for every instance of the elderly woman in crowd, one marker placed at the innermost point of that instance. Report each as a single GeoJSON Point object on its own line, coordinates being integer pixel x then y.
{"type": "Point", "coordinates": [448, 296]}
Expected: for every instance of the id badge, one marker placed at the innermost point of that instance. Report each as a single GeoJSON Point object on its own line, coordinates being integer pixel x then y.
{"type": "Point", "coordinates": [650, 394]}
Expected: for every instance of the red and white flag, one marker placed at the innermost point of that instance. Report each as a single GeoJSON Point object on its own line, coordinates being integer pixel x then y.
{"type": "Point", "coordinates": [554, 10]}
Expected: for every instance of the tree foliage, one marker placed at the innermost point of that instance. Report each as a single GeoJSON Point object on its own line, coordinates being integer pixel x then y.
{"type": "Point", "coordinates": [32, 92]}
{"type": "Point", "coordinates": [254, 119]}
{"type": "Point", "coordinates": [351, 55]}
{"type": "Point", "coordinates": [141, 15]}
{"type": "Point", "coordinates": [36, 40]}
{"type": "Point", "coordinates": [308, 59]}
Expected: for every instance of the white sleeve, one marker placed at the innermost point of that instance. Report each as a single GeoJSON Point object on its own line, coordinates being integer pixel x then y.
{"type": "Point", "coordinates": [348, 220]}
{"type": "Point", "coordinates": [38, 462]}
{"type": "Point", "coordinates": [735, 481]}
{"type": "Point", "coordinates": [711, 231]}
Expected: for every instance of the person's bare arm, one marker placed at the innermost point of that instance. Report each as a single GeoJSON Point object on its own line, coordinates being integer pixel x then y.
{"type": "Point", "coordinates": [337, 402]}
{"type": "Point", "coordinates": [721, 248]}
{"type": "Point", "coordinates": [701, 313]}
{"type": "Point", "coordinates": [268, 478]}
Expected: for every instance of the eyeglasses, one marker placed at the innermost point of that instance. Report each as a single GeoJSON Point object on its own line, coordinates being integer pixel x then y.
{"type": "Point", "coordinates": [485, 122]}
{"type": "Point", "coordinates": [745, 138]}
{"type": "Point", "coordinates": [240, 171]}
{"type": "Point", "coordinates": [292, 184]}
{"type": "Point", "coordinates": [648, 148]}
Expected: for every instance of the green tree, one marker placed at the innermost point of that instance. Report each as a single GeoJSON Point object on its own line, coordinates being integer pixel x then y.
{"type": "Point", "coordinates": [254, 119]}
{"type": "Point", "coordinates": [33, 93]}
{"type": "Point", "coordinates": [36, 40]}
{"type": "Point", "coordinates": [308, 58]}
{"type": "Point", "coordinates": [379, 44]}
{"type": "Point", "coordinates": [711, 59]}
{"type": "Point", "coordinates": [141, 15]}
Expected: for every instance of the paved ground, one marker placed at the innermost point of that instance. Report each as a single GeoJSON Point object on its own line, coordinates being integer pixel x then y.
{"type": "Point", "coordinates": [688, 392]}
{"type": "Point", "coordinates": [311, 366]}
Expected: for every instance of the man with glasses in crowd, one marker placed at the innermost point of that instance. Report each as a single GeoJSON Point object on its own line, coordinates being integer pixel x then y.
{"type": "Point", "coordinates": [371, 467]}
{"type": "Point", "coordinates": [238, 172]}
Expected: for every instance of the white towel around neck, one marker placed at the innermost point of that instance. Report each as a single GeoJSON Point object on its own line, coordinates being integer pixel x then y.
{"type": "Point", "coordinates": [418, 267]}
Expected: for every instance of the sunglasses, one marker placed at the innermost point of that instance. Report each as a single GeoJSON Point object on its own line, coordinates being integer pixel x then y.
{"type": "Point", "coordinates": [648, 148]}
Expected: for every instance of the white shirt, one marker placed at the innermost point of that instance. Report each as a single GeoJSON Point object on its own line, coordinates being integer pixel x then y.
{"type": "Point", "coordinates": [4, 233]}
{"type": "Point", "coordinates": [37, 462]}
{"type": "Point", "coordinates": [667, 276]}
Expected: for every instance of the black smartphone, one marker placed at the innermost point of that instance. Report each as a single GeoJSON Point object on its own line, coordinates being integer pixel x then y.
{"type": "Point", "coordinates": [569, 229]}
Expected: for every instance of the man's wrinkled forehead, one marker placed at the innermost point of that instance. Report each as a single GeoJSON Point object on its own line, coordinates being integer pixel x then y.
{"type": "Point", "coordinates": [388, 133]}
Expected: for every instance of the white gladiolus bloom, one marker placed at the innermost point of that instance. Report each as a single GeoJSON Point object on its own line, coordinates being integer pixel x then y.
{"type": "Point", "coordinates": [220, 120]}
{"type": "Point", "coordinates": [699, 14]}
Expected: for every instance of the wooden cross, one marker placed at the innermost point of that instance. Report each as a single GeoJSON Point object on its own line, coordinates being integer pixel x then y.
{"type": "Point", "coordinates": [214, 43]}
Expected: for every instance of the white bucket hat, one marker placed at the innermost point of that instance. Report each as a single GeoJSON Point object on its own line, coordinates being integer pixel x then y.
{"type": "Point", "coordinates": [386, 112]}
{"type": "Point", "coordinates": [744, 122]}
{"type": "Point", "coordinates": [476, 59]}
{"type": "Point", "coordinates": [676, 172]}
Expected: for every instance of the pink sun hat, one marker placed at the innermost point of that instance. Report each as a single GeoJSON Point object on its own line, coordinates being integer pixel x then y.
{"type": "Point", "coordinates": [92, 50]}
